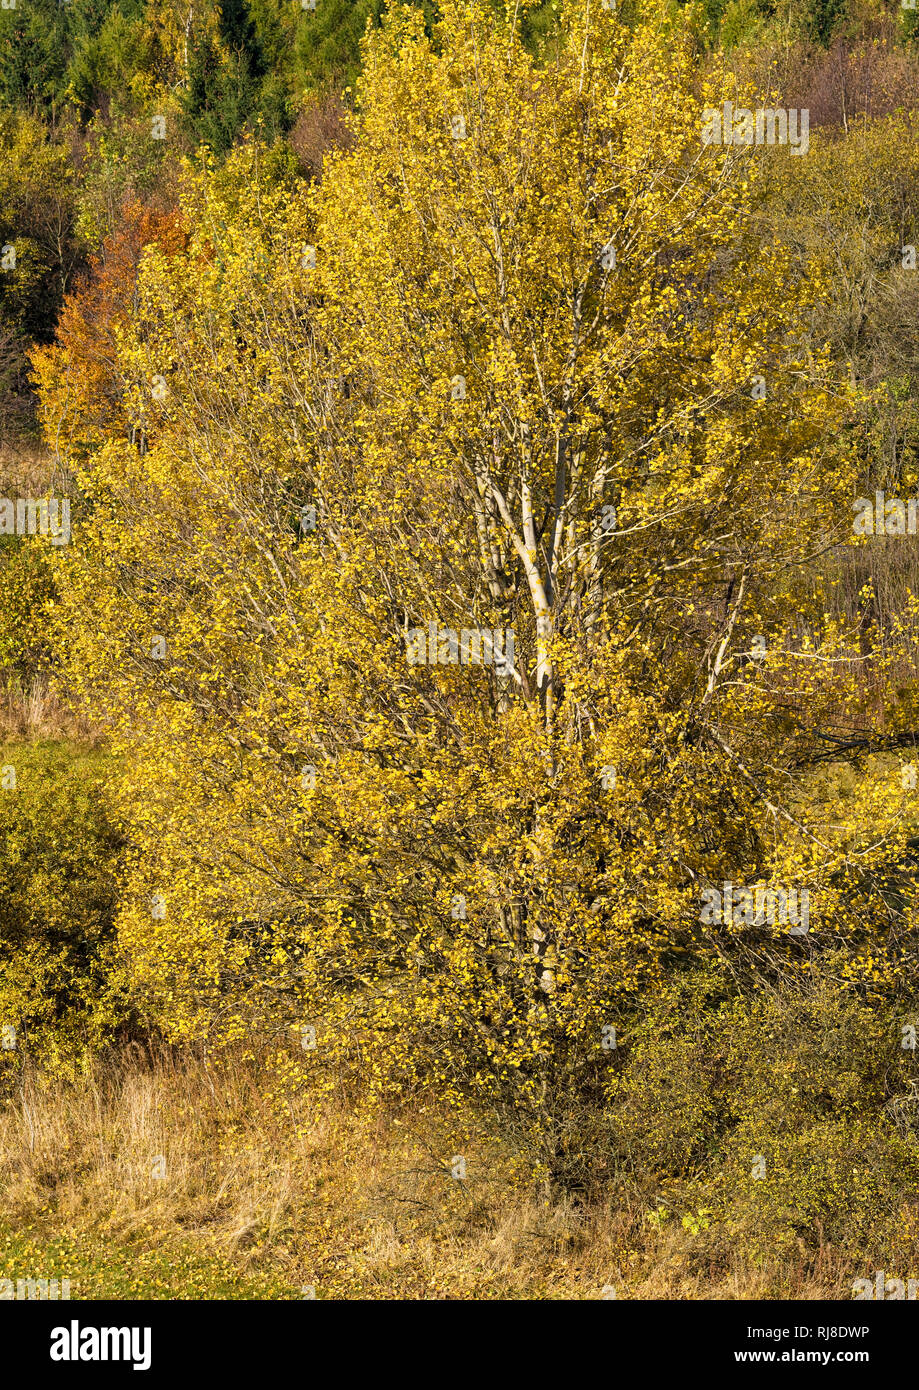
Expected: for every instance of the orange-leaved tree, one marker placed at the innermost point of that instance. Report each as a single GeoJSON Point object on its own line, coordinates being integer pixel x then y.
{"type": "Point", "coordinates": [81, 386]}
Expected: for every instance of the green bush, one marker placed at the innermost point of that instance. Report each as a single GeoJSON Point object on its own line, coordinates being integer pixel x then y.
{"type": "Point", "coordinates": [59, 856]}
{"type": "Point", "coordinates": [790, 1117]}
{"type": "Point", "coordinates": [26, 589]}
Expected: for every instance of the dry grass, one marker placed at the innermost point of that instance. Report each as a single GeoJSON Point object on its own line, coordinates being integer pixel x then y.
{"type": "Point", "coordinates": [38, 711]}
{"type": "Point", "coordinates": [29, 469]}
{"type": "Point", "coordinates": [359, 1206]}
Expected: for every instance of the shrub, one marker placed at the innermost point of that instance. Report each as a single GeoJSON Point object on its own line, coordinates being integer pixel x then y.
{"type": "Point", "coordinates": [26, 588]}
{"type": "Point", "coordinates": [58, 872]}
{"type": "Point", "coordinates": [789, 1116]}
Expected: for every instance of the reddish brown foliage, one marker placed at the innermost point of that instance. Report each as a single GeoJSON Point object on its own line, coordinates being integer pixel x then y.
{"type": "Point", "coordinates": [77, 375]}
{"type": "Point", "coordinates": [320, 128]}
{"type": "Point", "coordinates": [852, 80]}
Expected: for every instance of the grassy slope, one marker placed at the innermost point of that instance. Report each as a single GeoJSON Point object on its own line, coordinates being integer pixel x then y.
{"type": "Point", "coordinates": [260, 1201]}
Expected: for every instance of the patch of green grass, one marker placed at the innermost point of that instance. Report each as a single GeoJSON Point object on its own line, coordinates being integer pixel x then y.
{"type": "Point", "coordinates": [107, 1269]}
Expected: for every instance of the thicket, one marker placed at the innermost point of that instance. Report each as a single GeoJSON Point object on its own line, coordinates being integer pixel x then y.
{"type": "Point", "coordinates": [59, 863]}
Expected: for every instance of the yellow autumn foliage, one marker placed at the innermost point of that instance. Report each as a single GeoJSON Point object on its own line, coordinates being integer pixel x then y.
{"type": "Point", "coordinates": [525, 362]}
